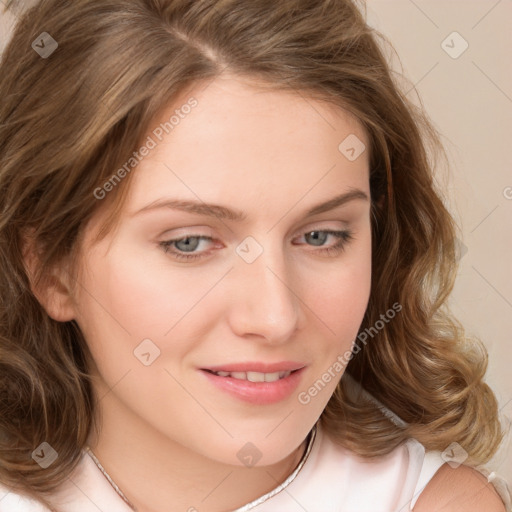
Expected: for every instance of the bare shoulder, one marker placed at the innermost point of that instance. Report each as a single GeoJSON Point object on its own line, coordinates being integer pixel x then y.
{"type": "Point", "coordinates": [461, 489]}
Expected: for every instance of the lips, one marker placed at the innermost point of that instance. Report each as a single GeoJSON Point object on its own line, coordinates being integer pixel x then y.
{"type": "Point", "coordinates": [257, 383]}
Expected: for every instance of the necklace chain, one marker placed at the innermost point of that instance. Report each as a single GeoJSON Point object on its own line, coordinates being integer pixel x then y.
{"type": "Point", "coordinates": [288, 481]}
{"type": "Point", "coordinates": [107, 476]}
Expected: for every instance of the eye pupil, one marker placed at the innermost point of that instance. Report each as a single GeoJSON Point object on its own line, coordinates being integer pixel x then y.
{"type": "Point", "coordinates": [187, 246]}
{"type": "Point", "coordinates": [316, 238]}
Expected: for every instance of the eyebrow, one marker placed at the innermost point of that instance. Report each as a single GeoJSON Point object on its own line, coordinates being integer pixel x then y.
{"type": "Point", "coordinates": [224, 213]}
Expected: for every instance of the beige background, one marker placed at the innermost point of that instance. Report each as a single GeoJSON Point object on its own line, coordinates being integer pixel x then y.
{"type": "Point", "coordinates": [469, 99]}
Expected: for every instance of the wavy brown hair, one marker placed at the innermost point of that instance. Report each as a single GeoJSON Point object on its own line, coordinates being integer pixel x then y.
{"type": "Point", "coordinates": [67, 122]}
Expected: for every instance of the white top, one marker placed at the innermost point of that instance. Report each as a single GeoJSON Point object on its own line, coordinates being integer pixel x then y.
{"type": "Point", "coordinates": [331, 479]}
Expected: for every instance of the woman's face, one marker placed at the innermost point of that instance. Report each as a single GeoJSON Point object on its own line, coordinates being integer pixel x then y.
{"type": "Point", "coordinates": [269, 287]}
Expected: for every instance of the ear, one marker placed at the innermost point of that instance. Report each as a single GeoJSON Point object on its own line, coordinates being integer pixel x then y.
{"type": "Point", "coordinates": [54, 290]}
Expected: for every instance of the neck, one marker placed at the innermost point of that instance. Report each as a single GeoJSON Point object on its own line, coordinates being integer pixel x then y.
{"type": "Point", "coordinates": [156, 473]}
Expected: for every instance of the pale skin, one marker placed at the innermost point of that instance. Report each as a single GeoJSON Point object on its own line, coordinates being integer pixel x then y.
{"type": "Point", "coordinates": [169, 438]}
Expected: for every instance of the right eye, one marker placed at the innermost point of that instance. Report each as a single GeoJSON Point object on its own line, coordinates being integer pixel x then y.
{"type": "Point", "coordinates": [183, 248]}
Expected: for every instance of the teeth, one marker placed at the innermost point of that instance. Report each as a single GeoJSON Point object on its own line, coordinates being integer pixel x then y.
{"type": "Point", "coordinates": [255, 376]}
{"type": "Point", "coordinates": [272, 377]}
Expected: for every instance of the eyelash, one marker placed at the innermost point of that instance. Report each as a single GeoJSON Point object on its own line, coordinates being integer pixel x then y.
{"type": "Point", "coordinates": [344, 237]}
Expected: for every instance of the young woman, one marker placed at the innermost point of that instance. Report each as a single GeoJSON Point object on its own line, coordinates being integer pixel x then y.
{"type": "Point", "coordinates": [225, 267]}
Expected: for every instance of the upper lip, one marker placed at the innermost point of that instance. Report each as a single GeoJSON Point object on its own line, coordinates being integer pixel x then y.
{"type": "Point", "coordinates": [260, 367]}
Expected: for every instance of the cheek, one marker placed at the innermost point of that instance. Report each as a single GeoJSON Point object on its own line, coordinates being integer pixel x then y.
{"type": "Point", "coordinates": [138, 293]}
{"type": "Point", "coordinates": [128, 297]}
{"type": "Point", "coordinates": [339, 296]}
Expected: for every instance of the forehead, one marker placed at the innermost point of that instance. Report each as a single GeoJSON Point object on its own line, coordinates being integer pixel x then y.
{"type": "Point", "coordinates": [240, 129]}
{"type": "Point", "coordinates": [252, 113]}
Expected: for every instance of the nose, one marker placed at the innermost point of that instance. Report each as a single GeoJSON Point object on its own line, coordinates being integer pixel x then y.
{"type": "Point", "coordinates": [263, 302]}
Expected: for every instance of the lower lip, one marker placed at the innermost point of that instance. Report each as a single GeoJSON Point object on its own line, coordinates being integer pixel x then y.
{"type": "Point", "coordinates": [261, 393]}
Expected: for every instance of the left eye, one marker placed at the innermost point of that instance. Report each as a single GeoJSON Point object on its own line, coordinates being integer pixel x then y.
{"type": "Point", "coordinates": [189, 244]}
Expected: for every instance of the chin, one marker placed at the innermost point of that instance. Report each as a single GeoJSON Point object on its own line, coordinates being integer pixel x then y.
{"type": "Point", "coordinates": [257, 450]}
